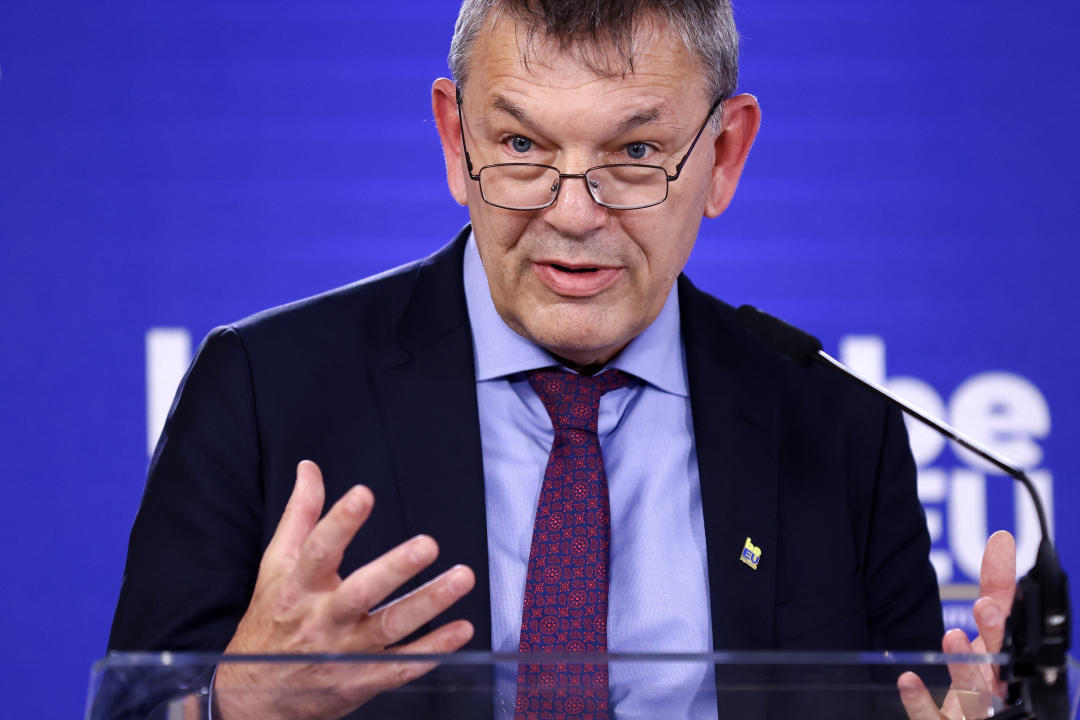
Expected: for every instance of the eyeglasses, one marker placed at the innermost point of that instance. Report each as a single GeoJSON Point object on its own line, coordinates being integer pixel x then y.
{"type": "Point", "coordinates": [530, 186]}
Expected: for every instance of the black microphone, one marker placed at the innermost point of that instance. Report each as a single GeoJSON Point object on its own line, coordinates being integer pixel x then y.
{"type": "Point", "coordinates": [1037, 630]}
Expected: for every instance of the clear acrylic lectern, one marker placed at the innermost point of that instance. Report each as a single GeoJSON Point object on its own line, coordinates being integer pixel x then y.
{"type": "Point", "coordinates": [737, 685]}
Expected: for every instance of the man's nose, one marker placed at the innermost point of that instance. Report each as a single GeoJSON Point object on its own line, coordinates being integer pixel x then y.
{"type": "Point", "coordinates": [574, 211]}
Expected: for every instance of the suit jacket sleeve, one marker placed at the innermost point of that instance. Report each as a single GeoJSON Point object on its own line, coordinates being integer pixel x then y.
{"type": "Point", "coordinates": [902, 601]}
{"type": "Point", "coordinates": [199, 534]}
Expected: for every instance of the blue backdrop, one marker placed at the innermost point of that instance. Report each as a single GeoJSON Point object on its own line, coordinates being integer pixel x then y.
{"type": "Point", "coordinates": [169, 166]}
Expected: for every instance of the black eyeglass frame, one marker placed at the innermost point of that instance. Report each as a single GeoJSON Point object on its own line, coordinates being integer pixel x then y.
{"type": "Point", "coordinates": [583, 175]}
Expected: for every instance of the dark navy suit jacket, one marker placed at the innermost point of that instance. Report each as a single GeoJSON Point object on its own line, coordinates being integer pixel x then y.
{"type": "Point", "coordinates": [375, 382]}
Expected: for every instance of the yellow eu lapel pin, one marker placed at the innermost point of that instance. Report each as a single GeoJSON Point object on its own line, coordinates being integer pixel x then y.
{"type": "Point", "coordinates": [751, 555]}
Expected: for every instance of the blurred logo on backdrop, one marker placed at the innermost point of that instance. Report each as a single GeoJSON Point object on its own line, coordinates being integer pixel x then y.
{"type": "Point", "coordinates": [959, 492]}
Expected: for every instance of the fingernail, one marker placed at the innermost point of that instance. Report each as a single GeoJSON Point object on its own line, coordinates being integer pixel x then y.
{"type": "Point", "coordinates": [993, 616]}
{"type": "Point", "coordinates": [459, 580]}
{"type": "Point", "coordinates": [352, 499]}
{"type": "Point", "coordinates": [420, 550]}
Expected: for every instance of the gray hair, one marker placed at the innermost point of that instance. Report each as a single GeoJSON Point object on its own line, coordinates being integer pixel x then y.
{"type": "Point", "coordinates": [706, 27]}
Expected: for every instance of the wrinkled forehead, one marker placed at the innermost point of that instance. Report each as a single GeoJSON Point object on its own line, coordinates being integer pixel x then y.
{"type": "Point", "coordinates": [509, 44]}
{"type": "Point", "coordinates": [510, 39]}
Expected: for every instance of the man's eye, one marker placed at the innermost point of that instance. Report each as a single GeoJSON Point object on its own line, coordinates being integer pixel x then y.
{"type": "Point", "coordinates": [637, 150]}
{"type": "Point", "coordinates": [521, 144]}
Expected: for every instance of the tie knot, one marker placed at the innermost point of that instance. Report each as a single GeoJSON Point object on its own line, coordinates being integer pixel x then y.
{"type": "Point", "coordinates": [573, 401]}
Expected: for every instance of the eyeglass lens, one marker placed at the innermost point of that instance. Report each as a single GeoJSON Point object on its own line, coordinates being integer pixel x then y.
{"type": "Point", "coordinates": [531, 187]}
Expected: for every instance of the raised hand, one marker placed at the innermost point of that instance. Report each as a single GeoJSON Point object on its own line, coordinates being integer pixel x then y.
{"type": "Point", "coordinates": [301, 605]}
{"type": "Point", "coordinates": [973, 688]}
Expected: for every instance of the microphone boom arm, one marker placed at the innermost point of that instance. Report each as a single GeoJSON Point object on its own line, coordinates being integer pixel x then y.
{"type": "Point", "coordinates": [945, 429]}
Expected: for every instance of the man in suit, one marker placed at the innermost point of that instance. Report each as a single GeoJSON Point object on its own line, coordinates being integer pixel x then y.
{"type": "Point", "coordinates": [588, 143]}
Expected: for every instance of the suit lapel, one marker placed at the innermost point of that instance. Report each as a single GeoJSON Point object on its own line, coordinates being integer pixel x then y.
{"type": "Point", "coordinates": [427, 399]}
{"type": "Point", "coordinates": [735, 428]}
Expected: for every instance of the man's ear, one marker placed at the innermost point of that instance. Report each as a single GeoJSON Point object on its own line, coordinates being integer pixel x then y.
{"type": "Point", "coordinates": [447, 120]}
{"type": "Point", "coordinates": [741, 118]}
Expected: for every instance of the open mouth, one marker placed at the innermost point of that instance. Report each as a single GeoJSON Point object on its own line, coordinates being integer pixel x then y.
{"type": "Point", "coordinates": [576, 281]}
{"type": "Point", "coordinates": [563, 268]}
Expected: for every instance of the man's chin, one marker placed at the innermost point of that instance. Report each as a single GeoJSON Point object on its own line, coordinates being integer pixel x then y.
{"type": "Point", "coordinates": [581, 333]}
{"type": "Point", "coordinates": [584, 352]}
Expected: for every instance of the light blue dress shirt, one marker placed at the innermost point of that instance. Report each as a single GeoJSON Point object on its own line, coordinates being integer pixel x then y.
{"type": "Point", "coordinates": [658, 596]}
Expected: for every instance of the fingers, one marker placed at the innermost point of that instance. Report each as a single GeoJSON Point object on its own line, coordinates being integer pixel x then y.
{"type": "Point", "coordinates": [301, 605]}
{"type": "Point", "coordinates": [369, 585]}
{"type": "Point", "coordinates": [321, 552]}
{"type": "Point", "coordinates": [447, 639]}
{"type": "Point", "coordinates": [997, 585]}
{"type": "Point", "coordinates": [990, 619]}
{"type": "Point", "coordinates": [916, 698]}
{"type": "Point", "coordinates": [301, 513]}
{"type": "Point", "coordinates": [997, 576]}
{"type": "Point", "coordinates": [969, 688]}
{"type": "Point", "coordinates": [402, 617]}
{"type": "Point", "coordinates": [389, 675]}
{"type": "Point", "coordinates": [971, 692]}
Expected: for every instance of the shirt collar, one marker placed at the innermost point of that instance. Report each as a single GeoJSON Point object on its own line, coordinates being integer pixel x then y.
{"type": "Point", "coordinates": [656, 355]}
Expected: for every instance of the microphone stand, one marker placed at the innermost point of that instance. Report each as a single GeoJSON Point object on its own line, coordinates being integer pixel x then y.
{"type": "Point", "coordinates": [1037, 629]}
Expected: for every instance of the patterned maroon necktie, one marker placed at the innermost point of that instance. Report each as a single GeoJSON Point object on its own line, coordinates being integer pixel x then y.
{"type": "Point", "coordinates": [566, 586]}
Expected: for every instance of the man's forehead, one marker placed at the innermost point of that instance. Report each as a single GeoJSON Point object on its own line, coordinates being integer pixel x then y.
{"type": "Point", "coordinates": [509, 64]}
{"type": "Point", "coordinates": [603, 53]}
{"type": "Point", "coordinates": [507, 48]}
{"type": "Point", "coordinates": [642, 113]}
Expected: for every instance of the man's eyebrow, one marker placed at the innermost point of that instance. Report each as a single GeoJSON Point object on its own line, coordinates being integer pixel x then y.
{"type": "Point", "coordinates": [640, 118]}
{"type": "Point", "coordinates": [501, 103]}
{"type": "Point", "coordinates": [636, 120]}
